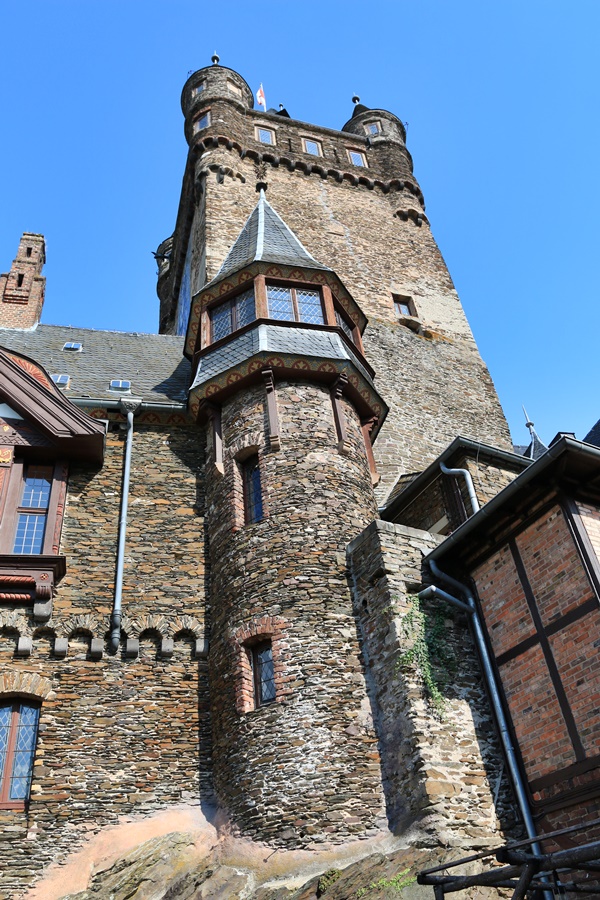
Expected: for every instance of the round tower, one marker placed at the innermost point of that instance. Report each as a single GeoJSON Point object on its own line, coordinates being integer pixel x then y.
{"type": "Point", "coordinates": [290, 404]}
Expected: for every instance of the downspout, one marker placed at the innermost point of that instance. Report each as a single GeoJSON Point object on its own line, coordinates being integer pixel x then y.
{"type": "Point", "coordinates": [468, 481]}
{"type": "Point", "coordinates": [494, 692]}
{"type": "Point", "coordinates": [130, 407]}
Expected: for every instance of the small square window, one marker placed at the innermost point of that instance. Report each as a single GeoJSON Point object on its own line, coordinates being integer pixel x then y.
{"type": "Point", "coordinates": [73, 346]}
{"type": "Point", "coordinates": [61, 379]}
{"type": "Point", "coordinates": [312, 147]}
{"type": "Point", "coordinates": [202, 122]}
{"type": "Point", "coordinates": [357, 157]}
{"type": "Point", "coordinates": [265, 135]}
{"type": "Point", "coordinates": [234, 89]}
{"type": "Point", "coordinates": [120, 385]}
{"type": "Point", "coordinates": [404, 306]}
{"type": "Point", "coordinates": [373, 128]}
{"type": "Point", "coordinates": [198, 89]}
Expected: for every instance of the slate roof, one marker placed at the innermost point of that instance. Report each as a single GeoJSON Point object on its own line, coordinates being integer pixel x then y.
{"type": "Point", "coordinates": [154, 363]}
{"type": "Point", "coordinates": [276, 339]}
{"type": "Point", "coordinates": [265, 237]}
{"type": "Point", "coordinates": [593, 436]}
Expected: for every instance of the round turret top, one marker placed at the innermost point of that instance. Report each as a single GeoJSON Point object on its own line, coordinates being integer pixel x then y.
{"type": "Point", "coordinates": [374, 123]}
{"type": "Point", "coordinates": [214, 82]}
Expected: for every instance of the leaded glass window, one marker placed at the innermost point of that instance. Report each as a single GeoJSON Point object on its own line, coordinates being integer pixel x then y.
{"type": "Point", "coordinates": [344, 325]}
{"type": "Point", "coordinates": [233, 314]}
{"type": "Point", "coordinates": [295, 304]}
{"type": "Point", "coordinates": [264, 673]}
{"type": "Point", "coordinates": [280, 303]}
{"type": "Point", "coordinates": [265, 135]}
{"type": "Point", "coordinates": [357, 158]}
{"type": "Point", "coordinates": [18, 734]}
{"type": "Point", "coordinates": [309, 306]}
{"type": "Point", "coordinates": [33, 510]}
{"type": "Point", "coordinates": [253, 504]}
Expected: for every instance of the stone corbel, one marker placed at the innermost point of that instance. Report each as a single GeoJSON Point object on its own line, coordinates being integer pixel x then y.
{"type": "Point", "coordinates": [26, 579]}
{"type": "Point", "coordinates": [338, 412]}
{"type": "Point", "coordinates": [272, 414]}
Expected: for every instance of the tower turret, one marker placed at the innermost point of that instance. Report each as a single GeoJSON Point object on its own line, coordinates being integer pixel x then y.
{"type": "Point", "coordinates": [22, 289]}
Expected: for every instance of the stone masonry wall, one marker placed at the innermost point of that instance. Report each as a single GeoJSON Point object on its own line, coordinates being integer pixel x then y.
{"type": "Point", "coordinates": [441, 767]}
{"type": "Point", "coordinates": [125, 734]}
{"type": "Point", "coordinates": [434, 381]}
{"type": "Point", "coordinates": [304, 769]}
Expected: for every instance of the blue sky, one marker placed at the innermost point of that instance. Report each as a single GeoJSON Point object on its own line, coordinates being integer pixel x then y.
{"type": "Point", "coordinates": [501, 100]}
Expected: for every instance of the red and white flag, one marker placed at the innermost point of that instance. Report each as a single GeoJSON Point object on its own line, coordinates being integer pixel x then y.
{"type": "Point", "coordinates": [260, 96]}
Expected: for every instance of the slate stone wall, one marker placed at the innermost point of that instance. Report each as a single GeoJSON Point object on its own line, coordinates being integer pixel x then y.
{"type": "Point", "coordinates": [368, 224]}
{"type": "Point", "coordinates": [305, 768]}
{"type": "Point", "coordinates": [442, 766]}
{"type": "Point", "coordinates": [124, 734]}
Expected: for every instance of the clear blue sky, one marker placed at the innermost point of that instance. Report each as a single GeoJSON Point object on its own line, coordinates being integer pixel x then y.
{"type": "Point", "coordinates": [501, 100]}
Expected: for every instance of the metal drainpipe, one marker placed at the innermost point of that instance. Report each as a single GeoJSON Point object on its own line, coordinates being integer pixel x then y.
{"type": "Point", "coordinates": [490, 677]}
{"type": "Point", "coordinates": [469, 482]}
{"type": "Point", "coordinates": [130, 407]}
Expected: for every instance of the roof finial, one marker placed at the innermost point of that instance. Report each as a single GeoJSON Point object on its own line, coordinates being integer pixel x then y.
{"type": "Point", "coordinates": [215, 59]}
{"type": "Point", "coordinates": [536, 447]}
{"type": "Point", "coordinates": [356, 99]}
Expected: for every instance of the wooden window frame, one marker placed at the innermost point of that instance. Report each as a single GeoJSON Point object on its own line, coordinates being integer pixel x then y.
{"type": "Point", "coordinates": [5, 780]}
{"type": "Point", "coordinates": [295, 307]}
{"type": "Point", "coordinates": [233, 304]}
{"type": "Point", "coordinates": [356, 336]}
{"type": "Point", "coordinates": [404, 300]}
{"type": "Point", "coordinates": [11, 507]}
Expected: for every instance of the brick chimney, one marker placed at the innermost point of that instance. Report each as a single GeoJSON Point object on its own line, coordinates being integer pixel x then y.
{"type": "Point", "coordinates": [22, 289]}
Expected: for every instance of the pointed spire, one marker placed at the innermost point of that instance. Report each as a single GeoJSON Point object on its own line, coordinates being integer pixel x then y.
{"type": "Point", "coordinates": [536, 447]}
{"type": "Point", "coordinates": [265, 237]}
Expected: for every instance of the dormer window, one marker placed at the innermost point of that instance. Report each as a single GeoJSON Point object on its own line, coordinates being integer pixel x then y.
{"type": "Point", "coordinates": [295, 304]}
{"type": "Point", "coordinates": [232, 315]}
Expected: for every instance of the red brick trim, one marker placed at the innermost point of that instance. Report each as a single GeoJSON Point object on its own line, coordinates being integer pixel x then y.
{"type": "Point", "coordinates": [243, 638]}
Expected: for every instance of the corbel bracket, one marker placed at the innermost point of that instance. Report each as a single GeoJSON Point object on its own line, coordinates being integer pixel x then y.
{"type": "Point", "coordinates": [337, 390]}
{"type": "Point", "coordinates": [273, 415]}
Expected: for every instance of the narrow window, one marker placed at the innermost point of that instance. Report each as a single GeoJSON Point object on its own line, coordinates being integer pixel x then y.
{"type": "Point", "coordinates": [312, 147]}
{"type": "Point", "coordinates": [20, 278]}
{"type": "Point", "coordinates": [33, 511]}
{"type": "Point", "coordinates": [233, 314]}
{"type": "Point", "coordinates": [280, 303]}
{"type": "Point", "coordinates": [373, 128]}
{"type": "Point", "coordinates": [263, 673]}
{"type": "Point", "coordinates": [265, 135]}
{"type": "Point", "coordinates": [357, 158]}
{"type": "Point", "coordinates": [18, 734]}
{"type": "Point", "coordinates": [198, 89]}
{"type": "Point", "coordinates": [28, 251]}
{"type": "Point", "coordinates": [202, 122]}
{"type": "Point", "coordinates": [346, 326]}
{"type": "Point", "coordinates": [253, 505]}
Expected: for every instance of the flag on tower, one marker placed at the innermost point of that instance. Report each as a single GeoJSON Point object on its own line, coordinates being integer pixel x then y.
{"type": "Point", "coordinates": [260, 96]}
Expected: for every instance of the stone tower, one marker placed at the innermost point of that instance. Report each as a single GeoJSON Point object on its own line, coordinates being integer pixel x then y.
{"type": "Point", "coordinates": [22, 289]}
{"type": "Point", "coordinates": [351, 198]}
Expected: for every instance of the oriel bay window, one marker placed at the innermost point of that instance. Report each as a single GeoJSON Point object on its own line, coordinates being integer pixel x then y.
{"type": "Point", "coordinates": [31, 508]}
{"type": "Point", "coordinates": [18, 735]}
{"type": "Point", "coordinates": [291, 304]}
{"type": "Point", "coordinates": [233, 314]}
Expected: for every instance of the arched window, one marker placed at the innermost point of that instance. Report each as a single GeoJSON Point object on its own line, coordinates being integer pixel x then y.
{"type": "Point", "coordinates": [18, 735]}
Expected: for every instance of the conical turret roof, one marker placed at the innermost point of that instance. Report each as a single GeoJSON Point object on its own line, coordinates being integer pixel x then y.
{"type": "Point", "coordinates": [265, 237]}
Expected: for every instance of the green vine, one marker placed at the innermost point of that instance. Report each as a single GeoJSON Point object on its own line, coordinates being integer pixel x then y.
{"type": "Point", "coordinates": [396, 883]}
{"type": "Point", "coordinates": [429, 652]}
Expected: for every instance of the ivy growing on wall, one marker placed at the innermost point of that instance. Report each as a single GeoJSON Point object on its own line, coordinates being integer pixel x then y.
{"type": "Point", "coordinates": [430, 654]}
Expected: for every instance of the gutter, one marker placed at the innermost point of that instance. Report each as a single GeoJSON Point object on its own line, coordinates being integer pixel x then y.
{"type": "Point", "coordinates": [534, 470]}
{"type": "Point", "coordinates": [142, 405]}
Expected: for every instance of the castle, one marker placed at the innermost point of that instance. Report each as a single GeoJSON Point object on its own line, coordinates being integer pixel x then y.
{"type": "Point", "coordinates": [213, 536]}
